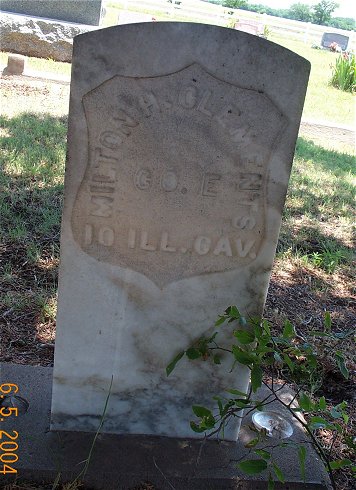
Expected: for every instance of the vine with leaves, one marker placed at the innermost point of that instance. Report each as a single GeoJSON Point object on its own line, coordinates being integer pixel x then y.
{"type": "Point", "coordinates": [295, 361]}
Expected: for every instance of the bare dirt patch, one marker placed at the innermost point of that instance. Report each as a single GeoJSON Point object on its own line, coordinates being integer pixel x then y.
{"type": "Point", "coordinates": [29, 94]}
{"type": "Point", "coordinates": [332, 137]}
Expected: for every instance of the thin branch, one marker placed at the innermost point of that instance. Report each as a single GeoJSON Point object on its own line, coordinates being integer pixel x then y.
{"type": "Point", "coordinates": [318, 447]}
{"type": "Point", "coordinates": [294, 397]}
{"type": "Point", "coordinates": [164, 476]}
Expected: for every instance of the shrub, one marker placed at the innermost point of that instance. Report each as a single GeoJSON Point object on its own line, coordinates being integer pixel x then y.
{"type": "Point", "coordinates": [292, 359]}
{"type": "Point", "coordinates": [344, 73]}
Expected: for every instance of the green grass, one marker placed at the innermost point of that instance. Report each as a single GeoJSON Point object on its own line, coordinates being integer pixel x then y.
{"type": "Point", "coordinates": [31, 191]}
{"type": "Point", "coordinates": [318, 216]}
{"type": "Point", "coordinates": [31, 178]}
{"type": "Point", "coordinates": [323, 101]}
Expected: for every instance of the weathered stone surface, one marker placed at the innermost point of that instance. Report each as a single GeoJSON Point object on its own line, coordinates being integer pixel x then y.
{"type": "Point", "coordinates": [40, 38]}
{"type": "Point", "coordinates": [15, 65]}
{"type": "Point", "coordinates": [78, 11]}
{"type": "Point", "coordinates": [123, 462]}
{"type": "Point", "coordinates": [180, 143]}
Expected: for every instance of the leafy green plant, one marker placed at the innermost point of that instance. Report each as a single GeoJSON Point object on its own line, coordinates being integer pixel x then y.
{"type": "Point", "coordinates": [327, 260]}
{"type": "Point", "coordinates": [266, 32]}
{"type": "Point", "coordinates": [232, 22]}
{"type": "Point", "coordinates": [289, 357]}
{"type": "Point", "coordinates": [344, 73]}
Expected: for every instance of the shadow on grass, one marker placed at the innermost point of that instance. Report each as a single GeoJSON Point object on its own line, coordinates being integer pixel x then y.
{"type": "Point", "coordinates": [339, 163]}
{"type": "Point", "coordinates": [31, 184]}
{"type": "Point", "coordinates": [31, 181]}
{"type": "Point", "coordinates": [320, 202]}
{"type": "Point", "coordinates": [32, 164]}
{"type": "Point", "coordinates": [311, 240]}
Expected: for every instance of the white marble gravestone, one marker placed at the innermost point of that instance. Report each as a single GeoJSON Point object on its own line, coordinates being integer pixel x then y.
{"type": "Point", "coordinates": [180, 143]}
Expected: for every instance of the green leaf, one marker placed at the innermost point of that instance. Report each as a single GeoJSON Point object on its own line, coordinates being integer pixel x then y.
{"type": "Point", "coordinates": [342, 405]}
{"type": "Point", "coordinates": [265, 326]}
{"type": "Point", "coordinates": [216, 359]}
{"type": "Point", "coordinates": [242, 356]}
{"type": "Point", "coordinates": [196, 427]}
{"type": "Point", "coordinates": [264, 454]}
{"type": "Point", "coordinates": [302, 452]}
{"type": "Point", "coordinates": [244, 337]}
{"type": "Point", "coordinates": [203, 346]}
{"type": "Point", "coordinates": [172, 364]}
{"type": "Point", "coordinates": [240, 403]}
{"type": "Point", "coordinates": [252, 466]}
{"type": "Point", "coordinates": [322, 403]}
{"type": "Point", "coordinates": [193, 353]}
{"type": "Point", "coordinates": [227, 407]}
{"type": "Point", "coordinates": [277, 357]}
{"type": "Point", "coordinates": [327, 321]}
{"type": "Point", "coordinates": [259, 406]}
{"type": "Point", "coordinates": [270, 482]}
{"type": "Point", "coordinates": [316, 333]}
{"type": "Point", "coordinates": [289, 362]}
{"type": "Point", "coordinates": [305, 402]}
{"type": "Point", "coordinates": [261, 349]}
{"type": "Point", "coordinates": [252, 443]}
{"type": "Point", "coordinates": [339, 463]}
{"type": "Point", "coordinates": [256, 377]}
{"type": "Point", "coordinates": [318, 423]}
{"type": "Point", "coordinates": [210, 339]}
{"type": "Point", "coordinates": [340, 361]}
{"type": "Point", "coordinates": [220, 321]}
{"type": "Point", "coordinates": [220, 405]}
{"type": "Point", "coordinates": [201, 411]}
{"type": "Point", "coordinates": [288, 330]}
{"type": "Point", "coordinates": [278, 472]}
{"type": "Point", "coordinates": [233, 312]}
{"type": "Point", "coordinates": [236, 392]}
{"type": "Point", "coordinates": [312, 361]}
{"type": "Point", "coordinates": [337, 412]}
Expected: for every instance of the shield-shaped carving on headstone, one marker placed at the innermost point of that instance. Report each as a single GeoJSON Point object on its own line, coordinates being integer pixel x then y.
{"type": "Point", "coordinates": [176, 173]}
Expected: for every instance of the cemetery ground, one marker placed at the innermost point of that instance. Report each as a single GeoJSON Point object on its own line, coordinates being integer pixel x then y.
{"type": "Point", "coordinates": [312, 273]}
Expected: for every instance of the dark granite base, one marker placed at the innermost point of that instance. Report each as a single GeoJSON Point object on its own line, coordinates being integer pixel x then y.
{"type": "Point", "coordinates": [121, 462]}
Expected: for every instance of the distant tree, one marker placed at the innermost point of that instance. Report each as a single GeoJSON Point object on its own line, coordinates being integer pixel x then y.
{"type": "Point", "coordinates": [346, 23]}
{"type": "Point", "coordinates": [263, 9]}
{"type": "Point", "coordinates": [234, 4]}
{"type": "Point", "coordinates": [300, 11]}
{"type": "Point", "coordinates": [323, 10]}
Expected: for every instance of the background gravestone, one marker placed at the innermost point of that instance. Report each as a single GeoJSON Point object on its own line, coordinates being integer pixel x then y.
{"type": "Point", "coordinates": [78, 11]}
{"type": "Point", "coordinates": [333, 37]}
{"type": "Point", "coordinates": [180, 143]}
{"type": "Point", "coordinates": [251, 27]}
{"type": "Point", "coordinates": [39, 37]}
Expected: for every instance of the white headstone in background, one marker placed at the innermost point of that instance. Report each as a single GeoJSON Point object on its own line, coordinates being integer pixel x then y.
{"type": "Point", "coordinates": [180, 143]}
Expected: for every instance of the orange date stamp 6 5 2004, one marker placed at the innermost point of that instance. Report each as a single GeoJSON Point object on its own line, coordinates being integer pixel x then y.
{"type": "Point", "coordinates": [8, 444]}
